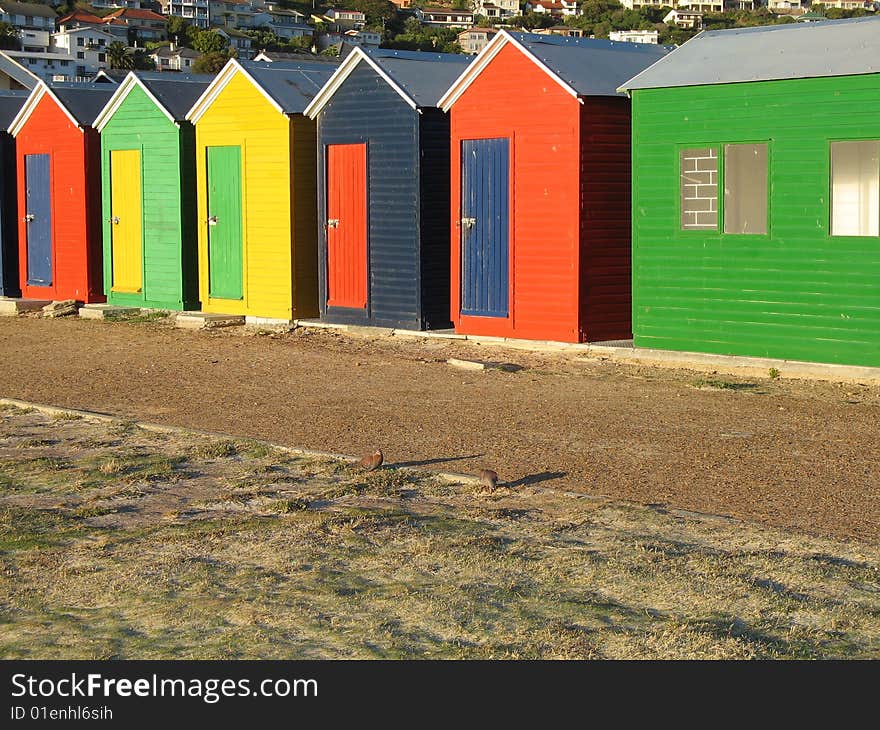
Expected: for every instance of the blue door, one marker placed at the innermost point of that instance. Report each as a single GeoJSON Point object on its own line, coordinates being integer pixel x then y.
{"type": "Point", "coordinates": [38, 214]}
{"type": "Point", "coordinates": [485, 227]}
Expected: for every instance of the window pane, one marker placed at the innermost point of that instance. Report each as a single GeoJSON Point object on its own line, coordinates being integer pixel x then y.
{"type": "Point", "coordinates": [855, 197]}
{"type": "Point", "coordinates": [745, 188]}
{"type": "Point", "coordinates": [699, 188]}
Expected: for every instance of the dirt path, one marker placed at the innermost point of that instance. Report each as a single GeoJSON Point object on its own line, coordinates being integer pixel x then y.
{"type": "Point", "coordinates": [788, 453]}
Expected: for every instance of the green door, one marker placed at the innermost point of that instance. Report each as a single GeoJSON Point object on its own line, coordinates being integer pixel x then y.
{"type": "Point", "coordinates": [225, 268]}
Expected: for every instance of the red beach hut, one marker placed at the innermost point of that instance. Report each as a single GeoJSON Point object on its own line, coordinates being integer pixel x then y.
{"type": "Point", "coordinates": [541, 188]}
{"type": "Point", "coordinates": [59, 192]}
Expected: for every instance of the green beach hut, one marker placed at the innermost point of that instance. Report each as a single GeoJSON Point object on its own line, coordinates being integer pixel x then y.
{"type": "Point", "coordinates": [756, 194]}
{"type": "Point", "coordinates": [148, 195]}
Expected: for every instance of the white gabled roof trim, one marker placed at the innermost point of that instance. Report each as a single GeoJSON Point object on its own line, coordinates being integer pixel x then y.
{"type": "Point", "coordinates": [219, 83]}
{"type": "Point", "coordinates": [501, 39]}
{"type": "Point", "coordinates": [40, 90]}
{"type": "Point", "coordinates": [342, 73]}
{"type": "Point", "coordinates": [119, 96]}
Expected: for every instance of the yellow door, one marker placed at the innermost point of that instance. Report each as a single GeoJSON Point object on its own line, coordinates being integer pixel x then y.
{"type": "Point", "coordinates": [125, 220]}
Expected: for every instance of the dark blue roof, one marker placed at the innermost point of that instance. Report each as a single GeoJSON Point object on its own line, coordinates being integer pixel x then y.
{"type": "Point", "coordinates": [423, 76]}
{"type": "Point", "coordinates": [11, 103]}
{"type": "Point", "coordinates": [83, 101]}
{"type": "Point", "coordinates": [592, 67]}
{"type": "Point", "coordinates": [292, 84]}
{"type": "Point", "coordinates": [176, 92]}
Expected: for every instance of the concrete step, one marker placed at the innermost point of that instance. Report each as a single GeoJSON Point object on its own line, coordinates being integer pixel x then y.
{"type": "Point", "coordinates": [107, 311]}
{"type": "Point", "coordinates": [207, 320]}
{"type": "Point", "coordinates": [11, 306]}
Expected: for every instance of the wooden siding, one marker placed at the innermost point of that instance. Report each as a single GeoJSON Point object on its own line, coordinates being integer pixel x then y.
{"type": "Point", "coordinates": [168, 203]}
{"type": "Point", "coordinates": [513, 98]}
{"type": "Point", "coordinates": [241, 115]}
{"type": "Point", "coordinates": [366, 109]}
{"type": "Point", "coordinates": [9, 286]}
{"type": "Point", "coordinates": [434, 217]}
{"type": "Point", "coordinates": [606, 297]}
{"type": "Point", "coordinates": [304, 214]}
{"type": "Point", "coordinates": [75, 199]}
{"type": "Point", "coordinates": [795, 293]}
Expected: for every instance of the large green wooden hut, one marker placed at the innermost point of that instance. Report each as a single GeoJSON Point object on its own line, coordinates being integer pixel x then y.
{"type": "Point", "coordinates": [756, 194]}
{"type": "Point", "coordinates": [148, 195]}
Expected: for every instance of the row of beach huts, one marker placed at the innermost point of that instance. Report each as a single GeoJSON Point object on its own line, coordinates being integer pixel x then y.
{"type": "Point", "coordinates": [721, 197]}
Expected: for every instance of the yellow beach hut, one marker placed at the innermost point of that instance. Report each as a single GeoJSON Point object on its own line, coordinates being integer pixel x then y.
{"type": "Point", "coordinates": [256, 182]}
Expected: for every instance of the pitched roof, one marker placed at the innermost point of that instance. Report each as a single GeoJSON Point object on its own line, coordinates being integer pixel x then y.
{"type": "Point", "coordinates": [81, 16]}
{"type": "Point", "coordinates": [17, 72]}
{"type": "Point", "coordinates": [590, 66]}
{"type": "Point", "coordinates": [292, 84]}
{"type": "Point", "coordinates": [182, 51]}
{"type": "Point", "coordinates": [176, 92]}
{"type": "Point", "coordinates": [11, 103]}
{"type": "Point", "coordinates": [173, 93]}
{"type": "Point", "coordinates": [419, 77]}
{"type": "Point", "coordinates": [36, 9]}
{"type": "Point", "coordinates": [288, 85]}
{"type": "Point", "coordinates": [136, 13]}
{"type": "Point", "coordinates": [83, 101]}
{"type": "Point", "coordinates": [79, 101]}
{"type": "Point", "coordinates": [582, 66]}
{"type": "Point", "coordinates": [765, 53]}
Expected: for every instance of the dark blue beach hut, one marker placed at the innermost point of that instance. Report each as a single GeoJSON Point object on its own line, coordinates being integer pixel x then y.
{"type": "Point", "coordinates": [10, 104]}
{"type": "Point", "coordinates": [383, 189]}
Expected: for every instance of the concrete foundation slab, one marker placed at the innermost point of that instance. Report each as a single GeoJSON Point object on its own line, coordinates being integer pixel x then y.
{"type": "Point", "coordinates": [107, 311]}
{"type": "Point", "coordinates": [12, 306]}
{"type": "Point", "coordinates": [267, 321]}
{"type": "Point", "coordinates": [207, 320]}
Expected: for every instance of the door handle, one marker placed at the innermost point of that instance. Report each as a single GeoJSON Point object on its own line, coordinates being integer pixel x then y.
{"type": "Point", "coordinates": [212, 220]}
{"type": "Point", "coordinates": [333, 223]}
{"type": "Point", "coordinates": [114, 220]}
{"type": "Point", "coordinates": [469, 222]}
{"type": "Point", "coordinates": [28, 218]}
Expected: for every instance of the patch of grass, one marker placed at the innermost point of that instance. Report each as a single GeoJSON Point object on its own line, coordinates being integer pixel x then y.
{"type": "Point", "coordinates": [87, 511]}
{"type": "Point", "coordinates": [216, 450]}
{"type": "Point", "coordinates": [23, 529]}
{"type": "Point", "coordinates": [35, 443]}
{"type": "Point", "coordinates": [254, 449]}
{"type": "Point", "coordinates": [718, 384]}
{"type": "Point", "coordinates": [286, 506]}
{"type": "Point", "coordinates": [111, 466]}
{"type": "Point", "coordinates": [774, 374]}
{"type": "Point", "coordinates": [141, 318]}
{"type": "Point", "coordinates": [64, 416]}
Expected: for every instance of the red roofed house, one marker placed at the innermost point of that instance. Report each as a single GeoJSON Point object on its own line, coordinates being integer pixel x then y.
{"type": "Point", "coordinates": [81, 19]}
{"type": "Point", "coordinates": [557, 8]}
{"type": "Point", "coordinates": [148, 26]}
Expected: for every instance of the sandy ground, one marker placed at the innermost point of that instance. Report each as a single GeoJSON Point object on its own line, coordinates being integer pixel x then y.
{"type": "Point", "coordinates": [792, 454]}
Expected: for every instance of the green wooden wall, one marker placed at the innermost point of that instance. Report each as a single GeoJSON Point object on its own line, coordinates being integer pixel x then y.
{"type": "Point", "coordinates": [795, 293]}
{"type": "Point", "coordinates": [169, 210]}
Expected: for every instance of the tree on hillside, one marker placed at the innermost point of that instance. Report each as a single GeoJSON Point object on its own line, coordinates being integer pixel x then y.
{"type": "Point", "coordinates": [119, 57]}
{"type": "Point", "coordinates": [9, 40]}
{"type": "Point", "coordinates": [210, 63]}
{"type": "Point", "coordinates": [177, 28]}
{"type": "Point", "coordinates": [141, 61]}
{"type": "Point", "coordinates": [375, 10]}
{"type": "Point", "coordinates": [207, 41]}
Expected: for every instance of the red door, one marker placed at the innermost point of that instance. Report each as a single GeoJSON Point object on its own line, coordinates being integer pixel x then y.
{"type": "Point", "coordinates": [347, 225]}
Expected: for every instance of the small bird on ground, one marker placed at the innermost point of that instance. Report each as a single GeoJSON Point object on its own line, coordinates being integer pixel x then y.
{"type": "Point", "coordinates": [372, 461]}
{"type": "Point", "coordinates": [488, 479]}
